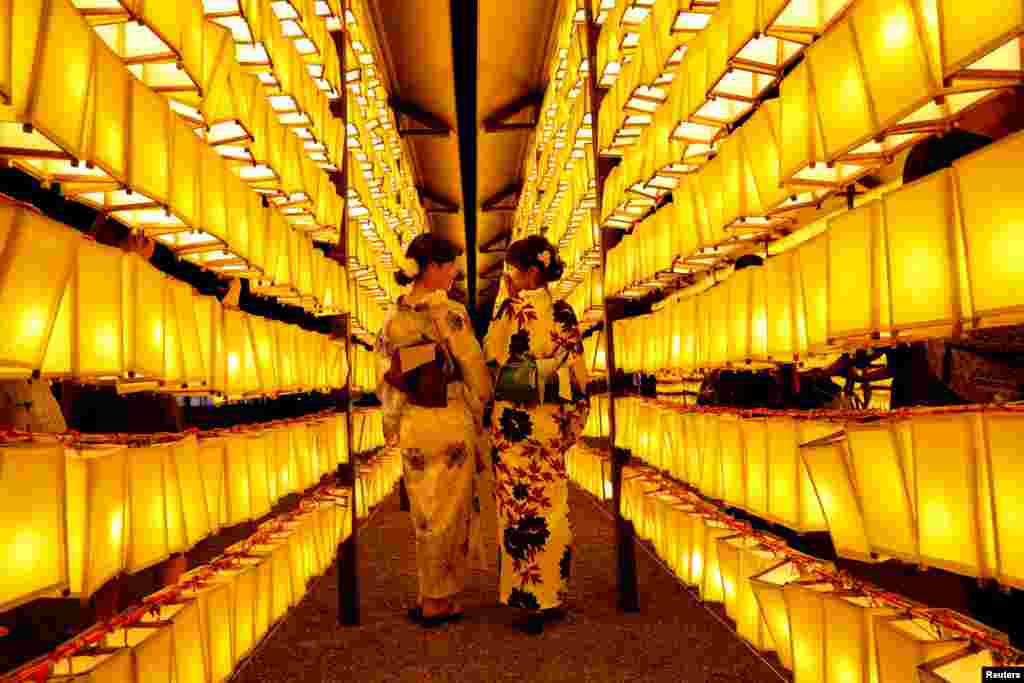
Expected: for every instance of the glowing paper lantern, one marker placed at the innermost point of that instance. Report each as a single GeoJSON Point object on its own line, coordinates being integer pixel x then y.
{"type": "Point", "coordinates": [990, 220]}
{"type": "Point", "coordinates": [768, 590]}
{"type": "Point", "coordinates": [194, 501]}
{"type": "Point", "coordinates": [741, 558]}
{"type": "Point", "coordinates": [905, 643]}
{"type": "Point", "coordinates": [143, 290]}
{"type": "Point", "coordinates": [216, 609]}
{"type": "Point", "coordinates": [882, 461]}
{"type": "Point", "coordinates": [260, 473]}
{"type": "Point", "coordinates": [97, 500]}
{"type": "Point", "coordinates": [238, 479]}
{"type": "Point", "coordinates": [792, 501]}
{"type": "Point", "coordinates": [828, 463]}
{"type": "Point", "coordinates": [33, 539]}
{"type": "Point", "coordinates": [98, 312]}
{"type": "Point", "coordinates": [155, 519]}
{"type": "Point", "coordinates": [921, 256]}
{"type": "Point", "coordinates": [211, 461]}
{"type": "Point", "coordinates": [954, 530]}
{"type": "Point", "coordinates": [38, 256]}
{"type": "Point", "coordinates": [1001, 431]}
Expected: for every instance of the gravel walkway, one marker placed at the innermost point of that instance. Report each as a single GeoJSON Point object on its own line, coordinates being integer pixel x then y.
{"type": "Point", "coordinates": [671, 639]}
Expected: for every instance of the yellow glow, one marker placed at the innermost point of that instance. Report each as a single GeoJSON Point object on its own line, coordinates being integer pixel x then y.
{"type": "Point", "coordinates": [116, 527]}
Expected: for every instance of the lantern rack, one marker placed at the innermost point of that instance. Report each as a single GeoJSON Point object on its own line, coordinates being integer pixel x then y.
{"type": "Point", "coordinates": [270, 531]}
{"type": "Point", "coordinates": [812, 569]}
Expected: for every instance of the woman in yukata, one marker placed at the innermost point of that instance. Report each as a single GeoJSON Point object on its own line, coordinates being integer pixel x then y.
{"type": "Point", "coordinates": [534, 349]}
{"type": "Point", "coordinates": [434, 389]}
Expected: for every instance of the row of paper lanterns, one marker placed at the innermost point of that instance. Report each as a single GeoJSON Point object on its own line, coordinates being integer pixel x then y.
{"type": "Point", "coordinates": [888, 60]}
{"type": "Point", "coordinates": [147, 167]}
{"type": "Point", "coordinates": [84, 104]}
{"type": "Point", "coordinates": [930, 488]}
{"type": "Point", "coordinates": [80, 309]}
{"type": "Point", "coordinates": [211, 621]}
{"type": "Point", "coordinates": [821, 628]}
{"type": "Point", "coordinates": [923, 261]}
{"type": "Point", "coordinates": [795, 606]}
{"type": "Point", "coordinates": [116, 508]}
{"type": "Point", "coordinates": [217, 615]}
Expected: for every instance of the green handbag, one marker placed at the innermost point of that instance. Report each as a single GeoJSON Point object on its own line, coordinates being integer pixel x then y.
{"type": "Point", "coordinates": [518, 382]}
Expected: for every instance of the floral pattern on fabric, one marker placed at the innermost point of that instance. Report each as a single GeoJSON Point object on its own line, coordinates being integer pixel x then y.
{"type": "Point", "coordinates": [442, 448]}
{"type": "Point", "coordinates": [531, 484]}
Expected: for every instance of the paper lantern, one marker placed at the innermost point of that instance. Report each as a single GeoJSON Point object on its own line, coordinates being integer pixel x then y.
{"type": "Point", "coordinates": [283, 460]}
{"type": "Point", "coordinates": [193, 369]}
{"type": "Point", "coordinates": [33, 540]}
{"type": "Point", "coordinates": [990, 220]}
{"type": "Point", "coordinates": [922, 257]}
{"type": "Point", "coordinates": [151, 647]}
{"type": "Point", "coordinates": [143, 291]}
{"type": "Point", "coordinates": [905, 643]}
{"type": "Point", "coordinates": [828, 463]}
{"type": "Point", "coordinates": [953, 528]}
{"type": "Point", "coordinates": [37, 257]}
{"type": "Point", "coordinates": [215, 482]}
{"type": "Point", "coordinates": [733, 461]}
{"type": "Point", "coordinates": [97, 516]}
{"type": "Point", "coordinates": [1000, 431]}
{"type": "Point", "coordinates": [98, 312]}
{"type": "Point", "coordinates": [792, 501]}
{"type": "Point", "coordinates": [767, 588]}
{"type": "Point", "coordinates": [189, 659]}
{"type": "Point", "coordinates": [754, 434]}
{"type": "Point", "coordinates": [881, 465]}
{"type": "Point", "coordinates": [257, 447]}
{"type": "Point", "coordinates": [155, 529]}
{"type": "Point", "coordinates": [194, 502]}
{"type": "Point", "coordinates": [741, 558]}
{"type": "Point", "coordinates": [705, 561]}
{"type": "Point", "coordinates": [174, 351]}
{"type": "Point", "coordinates": [238, 479]}
{"type": "Point", "coordinates": [216, 610]}
{"type": "Point", "coordinates": [855, 271]}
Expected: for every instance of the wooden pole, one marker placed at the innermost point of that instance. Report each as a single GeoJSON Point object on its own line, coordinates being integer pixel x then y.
{"type": "Point", "coordinates": [625, 538]}
{"type": "Point", "coordinates": [348, 474]}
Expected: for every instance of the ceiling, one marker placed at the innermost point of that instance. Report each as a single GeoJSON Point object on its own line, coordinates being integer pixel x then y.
{"type": "Point", "coordinates": [468, 78]}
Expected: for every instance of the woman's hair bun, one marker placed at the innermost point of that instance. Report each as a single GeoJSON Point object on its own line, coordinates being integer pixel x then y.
{"type": "Point", "coordinates": [536, 250]}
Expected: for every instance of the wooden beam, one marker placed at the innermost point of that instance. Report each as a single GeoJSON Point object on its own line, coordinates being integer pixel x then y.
{"type": "Point", "coordinates": [500, 119]}
{"type": "Point", "coordinates": [489, 246]}
{"type": "Point", "coordinates": [433, 203]}
{"type": "Point", "coordinates": [499, 200]}
{"type": "Point", "coordinates": [430, 124]}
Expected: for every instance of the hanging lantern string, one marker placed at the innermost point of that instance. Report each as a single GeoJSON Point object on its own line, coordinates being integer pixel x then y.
{"type": "Point", "coordinates": [822, 570]}
{"type": "Point", "coordinates": [40, 669]}
{"type": "Point", "coordinates": [75, 438]}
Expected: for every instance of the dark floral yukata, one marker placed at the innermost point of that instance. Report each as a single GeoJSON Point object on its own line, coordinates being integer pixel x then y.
{"type": "Point", "coordinates": [531, 485]}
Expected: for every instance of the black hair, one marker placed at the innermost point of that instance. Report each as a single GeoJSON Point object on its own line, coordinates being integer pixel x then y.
{"type": "Point", "coordinates": [426, 249]}
{"type": "Point", "coordinates": [525, 253]}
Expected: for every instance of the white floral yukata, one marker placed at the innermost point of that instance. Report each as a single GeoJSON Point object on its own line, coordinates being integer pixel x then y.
{"type": "Point", "coordinates": [442, 448]}
{"type": "Point", "coordinates": [531, 484]}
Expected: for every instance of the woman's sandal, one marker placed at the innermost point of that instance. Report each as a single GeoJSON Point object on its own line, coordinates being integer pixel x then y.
{"type": "Point", "coordinates": [416, 616]}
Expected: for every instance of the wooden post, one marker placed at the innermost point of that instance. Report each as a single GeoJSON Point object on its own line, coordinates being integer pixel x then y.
{"type": "Point", "coordinates": [348, 475]}
{"type": "Point", "coordinates": [625, 538]}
